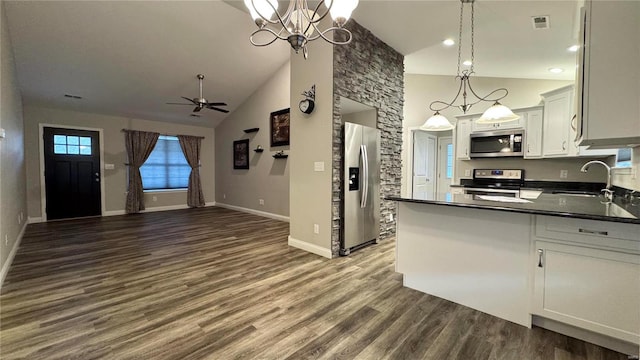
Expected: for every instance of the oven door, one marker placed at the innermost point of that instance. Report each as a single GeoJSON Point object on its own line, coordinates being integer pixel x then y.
{"type": "Point", "coordinates": [497, 144]}
{"type": "Point", "coordinates": [492, 192]}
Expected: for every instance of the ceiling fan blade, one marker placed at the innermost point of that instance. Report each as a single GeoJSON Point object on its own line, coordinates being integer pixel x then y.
{"type": "Point", "coordinates": [197, 109]}
{"type": "Point", "coordinates": [186, 98]}
{"type": "Point", "coordinates": [216, 104]}
{"type": "Point", "coordinates": [218, 109]}
{"type": "Point", "coordinates": [178, 104]}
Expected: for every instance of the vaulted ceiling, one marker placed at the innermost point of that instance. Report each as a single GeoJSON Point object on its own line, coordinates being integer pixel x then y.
{"type": "Point", "coordinates": [128, 58]}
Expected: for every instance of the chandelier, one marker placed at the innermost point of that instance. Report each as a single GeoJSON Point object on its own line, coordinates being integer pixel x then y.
{"type": "Point", "coordinates": [497, 113]}
{"type": "Point", "coordinates": [299, 24]}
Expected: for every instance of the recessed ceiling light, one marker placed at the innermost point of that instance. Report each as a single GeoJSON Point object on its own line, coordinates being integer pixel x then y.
{"type": "Point", "coordinates": [467, 63]}
{"type": "Point", "coordinates": [448, 42]}
{"type": "Point", "coordinates": [573, 48]}
{"type": "Point", "coordinates": [72, 96]}
{"type": "Point", "coordinates": [555, 70]}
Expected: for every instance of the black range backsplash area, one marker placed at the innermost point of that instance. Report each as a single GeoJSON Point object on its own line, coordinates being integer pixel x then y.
{"type": "Point", "coordinates": [553, 185]}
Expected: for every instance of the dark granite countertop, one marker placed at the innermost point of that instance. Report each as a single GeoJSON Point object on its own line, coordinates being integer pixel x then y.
{"type": "Point", "coordinates": [592, 208]}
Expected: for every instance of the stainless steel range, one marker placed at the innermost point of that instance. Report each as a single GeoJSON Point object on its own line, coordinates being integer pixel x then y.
{"type": "Point", "coordinates": [503, 182]}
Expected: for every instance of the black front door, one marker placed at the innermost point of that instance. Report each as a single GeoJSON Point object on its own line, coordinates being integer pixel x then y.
{"type": "Point", "coordinates": [72, 173]}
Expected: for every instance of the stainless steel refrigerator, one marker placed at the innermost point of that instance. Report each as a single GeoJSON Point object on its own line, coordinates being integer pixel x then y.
{"type": "Point", "coordinates": [361, 187]}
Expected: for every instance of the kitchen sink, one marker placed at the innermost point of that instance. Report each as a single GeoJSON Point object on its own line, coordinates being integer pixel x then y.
{"type": "Point", "coordinates": [575, 193]}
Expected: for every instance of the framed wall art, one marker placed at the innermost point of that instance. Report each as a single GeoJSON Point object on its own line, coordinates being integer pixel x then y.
{"type": "Point", "coordinates": [280, 121]}
{"type": "Point", "coordinates": [241, 154]}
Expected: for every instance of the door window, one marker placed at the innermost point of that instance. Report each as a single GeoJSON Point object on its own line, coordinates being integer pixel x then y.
{"type": "Point", "coordinates": [72, 145]}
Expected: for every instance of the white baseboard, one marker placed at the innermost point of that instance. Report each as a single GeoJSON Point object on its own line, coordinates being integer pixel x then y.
{"type": "Point", "coordinates": [254, 212]}
{"type": "Point", "coordinates": [586, 335]}
{"type": "Point", "coordinates": [12, 254]}
{"type": "Point", "coordinates": [34, 220]}
{"type": "Point", "coordinates": [154, 209]}
{"type": "Point", "coordinates": [312, 248]}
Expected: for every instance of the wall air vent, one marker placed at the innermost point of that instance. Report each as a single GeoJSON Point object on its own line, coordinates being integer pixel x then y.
{"type": "Point", "coordinates": [540, 22]}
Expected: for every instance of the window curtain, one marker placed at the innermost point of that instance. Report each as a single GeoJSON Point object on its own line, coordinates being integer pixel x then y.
{"type": "Point", "coordinates": [139, 146]}
{"type": "Point", "coordinates": [191, 146]}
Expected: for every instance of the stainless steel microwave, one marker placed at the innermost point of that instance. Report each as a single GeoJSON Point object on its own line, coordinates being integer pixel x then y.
{"type": "Point", "coordinates": [500, 143]}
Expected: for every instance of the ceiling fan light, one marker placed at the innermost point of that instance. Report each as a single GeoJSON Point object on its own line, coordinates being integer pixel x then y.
{"type": "Point", "coordinates": [437, 122]}
{"type": "Point", "coordinates": [341, 9]}
{"type": "Point", "coordinates": [262, 9]}
{"type": "Point", "coordinates": [497, 113]}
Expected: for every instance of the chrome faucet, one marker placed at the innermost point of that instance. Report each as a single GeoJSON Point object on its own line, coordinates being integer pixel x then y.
{"type": "Point", "coordinates": [608, 193]}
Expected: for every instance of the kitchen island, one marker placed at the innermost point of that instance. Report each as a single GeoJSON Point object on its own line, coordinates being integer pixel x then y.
{"type": "Point", "coordinates": [567, 263]}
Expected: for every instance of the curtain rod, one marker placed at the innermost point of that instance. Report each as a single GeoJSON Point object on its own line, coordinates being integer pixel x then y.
{"type": "Point", "coordinates": [130, 130]}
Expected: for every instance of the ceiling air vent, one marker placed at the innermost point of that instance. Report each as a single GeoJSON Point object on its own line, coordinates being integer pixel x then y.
{"type": "Point", "coordinates": [540, 22]}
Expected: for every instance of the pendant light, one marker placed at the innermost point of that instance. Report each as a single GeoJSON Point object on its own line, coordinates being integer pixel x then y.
{"type": "Point", "coordinates": [299, 24]}
{"type": "Point", "coordinates": [497, 113]}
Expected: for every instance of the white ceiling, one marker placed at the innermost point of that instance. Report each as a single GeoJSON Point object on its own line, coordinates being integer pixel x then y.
{"type": "Point", "coordinates": [128, 58]}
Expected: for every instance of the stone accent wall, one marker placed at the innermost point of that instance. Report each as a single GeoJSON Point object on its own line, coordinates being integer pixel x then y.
{"type": "Point", "coordinates": [372, 73]}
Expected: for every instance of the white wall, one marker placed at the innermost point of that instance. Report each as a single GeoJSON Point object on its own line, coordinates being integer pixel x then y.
{"type": "Point", "coordinates": [311, 141]}
{"type": "Point", "coordinates": [13, 198]}
{"type": "Point", "coordinates": [267, 178]}
{"type": "Point", "coordinates": [114, 153]}
{"type": "Point", "coordinates": [421, 90]}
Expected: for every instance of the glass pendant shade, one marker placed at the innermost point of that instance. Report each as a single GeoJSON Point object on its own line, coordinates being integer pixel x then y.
{"type": "Point", "coordinates": [262, 8]}
{"type": "Point", "coordinates": [437, 122]}
{"type": "Point", "coordinates": [497, 113]}
{"type": "Point", "coordinates": [341, 9]}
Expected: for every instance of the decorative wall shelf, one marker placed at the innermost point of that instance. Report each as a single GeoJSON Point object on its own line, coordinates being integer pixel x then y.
{"type": "Point", "coordinates": [281, 156]}
{"type": "Point", "coordinates": [252, 130]}
{"type": "Point", "coordinates": [258, 150]}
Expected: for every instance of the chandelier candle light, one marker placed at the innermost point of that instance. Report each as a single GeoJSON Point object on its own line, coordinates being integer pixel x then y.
{"type": "Point", "coordinates": [299, 24]}
{"type": "Point", "coordinates": [497, 113]}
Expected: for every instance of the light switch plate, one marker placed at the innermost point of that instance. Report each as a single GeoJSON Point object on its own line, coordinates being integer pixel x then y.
{"type": "Point", "coordinates": [109, 166]}
{"type": "Point", "coordinates": [3, 134]}
{"type": "Point", "coordinates": [318, 166]}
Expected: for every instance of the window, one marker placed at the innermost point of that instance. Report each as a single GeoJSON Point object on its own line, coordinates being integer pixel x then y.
{"type": "Point", "coordinates": [449, 161]}
{"type": "Point", "coordinates": [166, 167]}
{"type": "Point", "coordinates": [623, 158]}
{"type": "Point", "coordinates": [71, 145]}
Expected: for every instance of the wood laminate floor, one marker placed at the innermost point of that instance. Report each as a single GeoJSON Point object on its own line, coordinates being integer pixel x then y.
{"type": "Point", "coordinates": [218, 284]}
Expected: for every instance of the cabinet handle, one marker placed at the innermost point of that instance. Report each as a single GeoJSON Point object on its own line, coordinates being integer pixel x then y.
{"type": "Point", "coordinates": [564, 145]}
{"type": "Point", "coordinates": [574, 118]}
{"type": "Point", "coordinates": [596, 232]}
{"type": "Point", "coordinates": [528, 148]}
{"type": "Point", "coordinates": [540, 254]}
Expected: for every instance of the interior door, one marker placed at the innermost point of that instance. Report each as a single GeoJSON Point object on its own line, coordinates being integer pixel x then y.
{"type": "Point", "coordinates": [445, 164]}
{"type": "Point", "coordinates": [424, 165]}
{"type": "Point", "coordinates": [72, 173]}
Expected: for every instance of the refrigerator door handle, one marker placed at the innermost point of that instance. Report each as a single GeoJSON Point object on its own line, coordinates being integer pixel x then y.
{"type": "Point", "coordinates": [365, 176]}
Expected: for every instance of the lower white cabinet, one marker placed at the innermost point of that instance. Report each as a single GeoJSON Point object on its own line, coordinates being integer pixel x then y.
{"type": "Point", "coordinates": [580, 283]}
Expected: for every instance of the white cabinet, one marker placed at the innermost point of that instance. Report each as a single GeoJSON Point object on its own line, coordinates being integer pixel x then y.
{"type": "Point", "coordinates": [515, 124]}
{"type": "Point", "coordinates": [557, 120]}
{"type": "Point", "coordinates": [587, 275]}
{"type": "Point", "coordinates": [594, 289]}
{"type": "Point", "coordinates": [463, 130]}
{"type": "Point", "coordinates": [533, 133]}
{"type": "Point", "coordinates": [608, 73]}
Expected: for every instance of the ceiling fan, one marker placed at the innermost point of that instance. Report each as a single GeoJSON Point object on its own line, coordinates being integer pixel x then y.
{"type": "Point", "coordinates": [201, 102]}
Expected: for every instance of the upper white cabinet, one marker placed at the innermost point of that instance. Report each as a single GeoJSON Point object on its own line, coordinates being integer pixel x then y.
{"type": "Point", "coordinates": [462, 132]}
{"type": "Point", "coordinates": [532, 132]}
{"type": "Point", "coordinates": [608, 74]}
{"type": "Point", "coordinates": [515, 124]}
{"type": "Point", "coordinates": [558, 113]}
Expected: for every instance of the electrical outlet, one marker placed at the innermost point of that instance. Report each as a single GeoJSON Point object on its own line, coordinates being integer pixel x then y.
{"type": "Point", "coordinates": [6, 239]}
{"type": "Point", "coordinates": [467, 172]}
{"type": "Point", "coordinates": [261, 201]}
{"type": "Point", "coordinates": [224, 196]}
{"type": "Point", "coordinates": [390, 217]}
{"type": "Point", "coordinates": [154, 198]}
{"type": "Point", "coordinates": [19, 219]}
{"type": "Point", "coordinates": [316, 229]}
{"type": "Point", "coordinates": [564, 174]}
{"type": "Point", "coordinates": [21, 216]}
